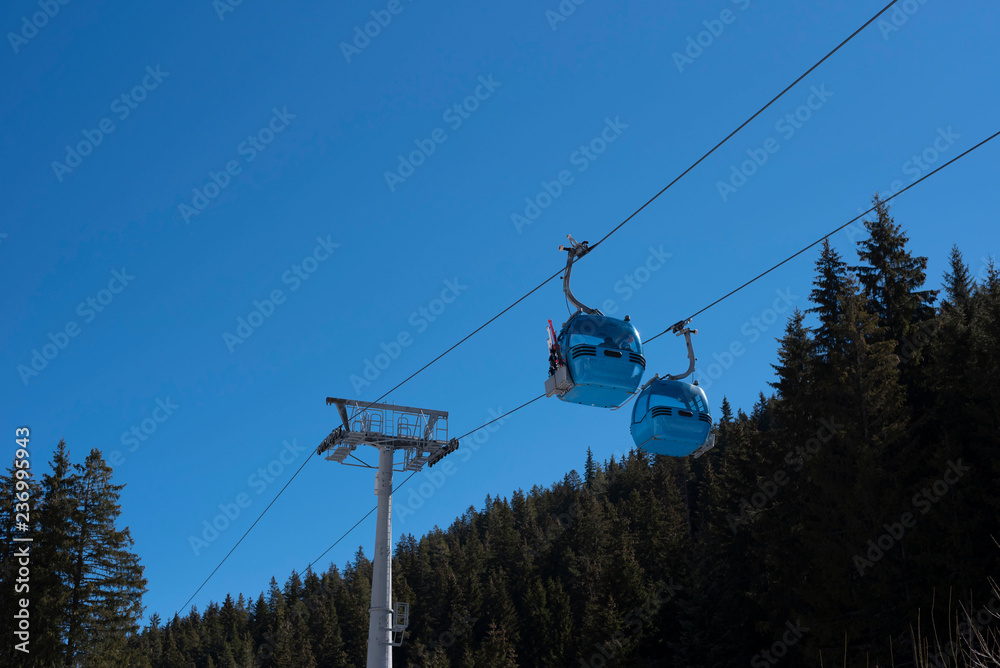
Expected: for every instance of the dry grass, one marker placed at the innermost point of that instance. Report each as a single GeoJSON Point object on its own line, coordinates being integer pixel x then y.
{"type": "Point", "coordinates": [973, 641]}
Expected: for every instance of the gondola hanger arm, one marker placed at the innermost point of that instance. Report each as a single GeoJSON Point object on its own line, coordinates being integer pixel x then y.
{"type": "Point", "coordinates": [575, 251]}
{"type": "Point", "coordinates": [686, 332]}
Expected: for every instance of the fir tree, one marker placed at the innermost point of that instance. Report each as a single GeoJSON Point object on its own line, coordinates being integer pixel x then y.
{"type": "Point", "coordinates": [891, 278]}
{"type": "Point", "coordinates": [105, 578]}
{"type": "Point", "coordinates": [299, 652]}
{"type": "Point", "coordinates": [796, 355]}
{"type": "Point", "coordinates": [53, 550]}
{"type": "Point", "coordinates": [353, 602]}
{"type": "Point", "coordinates": [258, 623]}
{"type": "Point", "coordinates": [172, 655]}
{"type": "Point", "coordinates": [830, 283]}
{"type": "Point", "coordinates": [498, 651]}
{"type": "Point", "coordinates": [589, 467]}
{"type": "Point", "coordinates": [21, 495]}
{"type": "Point", "coordinates": [958, 283]}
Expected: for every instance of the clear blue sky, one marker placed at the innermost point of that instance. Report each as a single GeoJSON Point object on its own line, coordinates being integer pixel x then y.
{"type": "Point", "coordinates": [267, 93]}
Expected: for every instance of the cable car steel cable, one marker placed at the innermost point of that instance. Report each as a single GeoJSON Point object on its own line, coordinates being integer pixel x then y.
{"type": "Point", "coordinates": [671, 417]}
{"type": "Point", "coordinates": [820, 240]}
{"type": "Point", "coordinates": [654, 197]}
{"type": "Point", "coordinates": [746, 122]}
{"type": "Point", "coordinates": [596, 360]}
{"type": "Point", "coordinates": [604, 238]}
{"type": "Point", "coordinates": [407, 479]}
{"type": "Point", "coordinates": [714, 303]}
{"type": "Point", "coordinates": [541, 396]}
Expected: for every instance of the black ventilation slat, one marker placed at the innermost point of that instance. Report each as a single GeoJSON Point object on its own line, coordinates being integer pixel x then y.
{"type": "Point", "coordinates": [685, 413]}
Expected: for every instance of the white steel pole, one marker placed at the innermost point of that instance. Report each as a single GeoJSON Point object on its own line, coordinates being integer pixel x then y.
{"type": "Point", "coordinates": [380, 612]}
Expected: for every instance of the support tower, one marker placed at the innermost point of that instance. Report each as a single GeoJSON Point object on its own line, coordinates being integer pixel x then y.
{"type": "Point", "coordinates": [422, 436]}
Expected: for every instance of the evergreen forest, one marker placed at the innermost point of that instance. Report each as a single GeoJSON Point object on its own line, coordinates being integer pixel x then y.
{"type": "Point", "coordinates": [849, 518]}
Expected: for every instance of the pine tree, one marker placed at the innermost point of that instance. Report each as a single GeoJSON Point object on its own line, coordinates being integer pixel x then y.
{"type": "Point", "coordinates": [211, 633]}
{"type": "Point", "coordinates": [228, 658]}
{"type": "Point", "coordinates": [891, 277]}
{"type": "Point", "coordinates": [353, 602]}
{"type": "Point", "coordinates": [300, 652]}
{"type": "Point", "coordinates": [499, 606]}
{"type": "Point", "coordinates": [105, 578]}
{"type": "Point", "coordinates": [796, 357]}
{"type": "Point", "coordinates": [152, 640]}
{"type": "Point", "coordinates": [850, 474]}
{"type": "Point", "coordinates": [189, 636]}
{"type": "Point", "coordinates": [771, 510]}
{"type": "Point", "coordinates": [21, 494]}
{"type": "Point", "coordinates": [958, 282]}
{"type": "Point", "coordinates": [966, 421]}
{"type": "Point", "coordinates": [293, 588]}
{"type": "Point", "coordinates": [498, 651]}
{"type": "Point", "coordinates": [53, 550]}
{"type": "Point", "coordinates": [830, 282]}
{"type": "Point", "coordinates": [323, 623]}
{"type": "Point", "coordinates": [172, 655]}
{"type": "Point", "coordinates": [589, 467]}
{"type": "Point", "coordinates": [279, 642]}
{"type": "Point", "coordinates": [727, 412]}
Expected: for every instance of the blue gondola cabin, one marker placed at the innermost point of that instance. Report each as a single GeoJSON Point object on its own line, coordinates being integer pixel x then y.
{"type": "Point", "coordinates": [672, 418]}
{"type": "Point", "coordinates": [595, 361]}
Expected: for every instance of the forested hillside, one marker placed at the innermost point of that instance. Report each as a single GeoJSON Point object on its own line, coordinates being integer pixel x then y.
{"type": "Point", "coordinates": [854, 509]}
